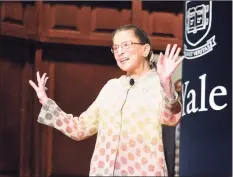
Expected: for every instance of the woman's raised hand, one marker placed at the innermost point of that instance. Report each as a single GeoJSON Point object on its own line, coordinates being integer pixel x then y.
{"type": "Point", "coordinates": [167, 63]}
{"type": "Point", "coordinates": [40, 89]}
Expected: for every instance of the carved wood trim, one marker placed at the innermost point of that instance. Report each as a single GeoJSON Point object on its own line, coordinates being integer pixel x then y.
{"type": "Point", "coordinates": [39, 20]}
{"type": "Point", "coordinates": [136, 12]}
{"type": "Point", "coordinates": [86, 25]}
{"type": "Point", "coordinates": [18, 19]}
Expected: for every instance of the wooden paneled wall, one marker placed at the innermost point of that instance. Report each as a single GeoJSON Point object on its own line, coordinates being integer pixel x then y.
{"type": "Point", "coordinates": [91, 23]}
{"type": "Point", "coordinates": [71, 42]}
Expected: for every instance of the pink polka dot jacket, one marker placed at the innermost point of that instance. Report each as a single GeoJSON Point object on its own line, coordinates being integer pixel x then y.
{"type": "Point", "coordinates": [127, 120]}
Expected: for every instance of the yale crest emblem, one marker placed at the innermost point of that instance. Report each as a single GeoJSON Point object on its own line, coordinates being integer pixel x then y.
{"type": "Point", "coordinates": [198, 19]}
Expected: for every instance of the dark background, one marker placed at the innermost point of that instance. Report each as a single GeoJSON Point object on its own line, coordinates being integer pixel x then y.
{"type": "Point", "coordinates": [206, 137]}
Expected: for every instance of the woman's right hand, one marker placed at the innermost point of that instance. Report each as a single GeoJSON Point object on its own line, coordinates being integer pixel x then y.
{"type": "Point", "coordinates": [40, 89]}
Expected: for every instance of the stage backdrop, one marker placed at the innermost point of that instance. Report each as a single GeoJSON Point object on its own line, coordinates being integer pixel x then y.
{"type": "Point", "coordinates": [206, 126]}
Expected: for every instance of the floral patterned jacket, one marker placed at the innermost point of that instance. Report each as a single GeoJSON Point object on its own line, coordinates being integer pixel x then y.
{"type": "Point", "coordinates": [127, 120]}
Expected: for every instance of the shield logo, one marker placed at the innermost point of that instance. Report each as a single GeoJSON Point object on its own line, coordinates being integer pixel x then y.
{"type": "Point", "coordinates": [198, 20]}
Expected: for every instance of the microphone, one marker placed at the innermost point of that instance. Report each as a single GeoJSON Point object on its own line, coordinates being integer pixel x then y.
{"type": "Point", "coordinates": [131, 82]}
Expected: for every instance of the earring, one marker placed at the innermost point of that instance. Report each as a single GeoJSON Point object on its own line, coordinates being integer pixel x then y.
{"type": "Point", "coordinates": [152, 59]}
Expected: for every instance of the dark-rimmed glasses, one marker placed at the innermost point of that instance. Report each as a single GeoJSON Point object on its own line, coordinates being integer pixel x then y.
{"type": "Point", "coordinates": [123, 45]}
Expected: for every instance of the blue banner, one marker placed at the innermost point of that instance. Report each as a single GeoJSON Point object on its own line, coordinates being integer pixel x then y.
{"type": "Point", "coordinates": [206, 126]}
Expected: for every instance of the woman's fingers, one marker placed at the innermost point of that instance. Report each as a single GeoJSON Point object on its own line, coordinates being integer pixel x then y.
{"type": "Point", "coordinates": [177, 54]}
{"type": "Point", "coordinates": [179, 61]}
{"type": "Point", "coordinates": [167, 50]}
{"type": "Point", "coordinates": [41, 80]}
{"type": "Point", "coordinates": [40, 89]}
{"type": "Point", "coordinates": [45, 81]}
{"type": "Point", "coordinates": [38, 78]}
{"type": "Point", "coordinates": [172, 52]}
{"type": "Point", "coordinates": [33, 85]}
{"type": "Point", "coordinates": [160, 59]}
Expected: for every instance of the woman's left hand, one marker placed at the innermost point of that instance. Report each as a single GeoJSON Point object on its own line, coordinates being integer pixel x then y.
{"type": "Point", "coordinates": [167, 63]}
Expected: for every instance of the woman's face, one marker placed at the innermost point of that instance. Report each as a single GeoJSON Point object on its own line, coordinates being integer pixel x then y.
{"type": "Point", "coordinates": [128, 51]}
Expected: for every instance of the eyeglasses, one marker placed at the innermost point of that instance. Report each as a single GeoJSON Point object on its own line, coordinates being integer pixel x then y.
{"type": "Point", "coordinates": [123, 45]}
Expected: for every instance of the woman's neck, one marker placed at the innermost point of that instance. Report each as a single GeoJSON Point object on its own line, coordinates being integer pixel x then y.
{"type": "Point", "coordinates": [144, 68]}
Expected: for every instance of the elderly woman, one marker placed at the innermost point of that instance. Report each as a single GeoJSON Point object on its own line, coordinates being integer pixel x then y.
{"type": "Point", "coordinates": [128, 112]}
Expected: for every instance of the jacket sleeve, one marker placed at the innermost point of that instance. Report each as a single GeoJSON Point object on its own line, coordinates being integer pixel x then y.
{"type": "Point", "coordinates": [77, 128]}
{"type": "Point", "coordinates": [170, 109]}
